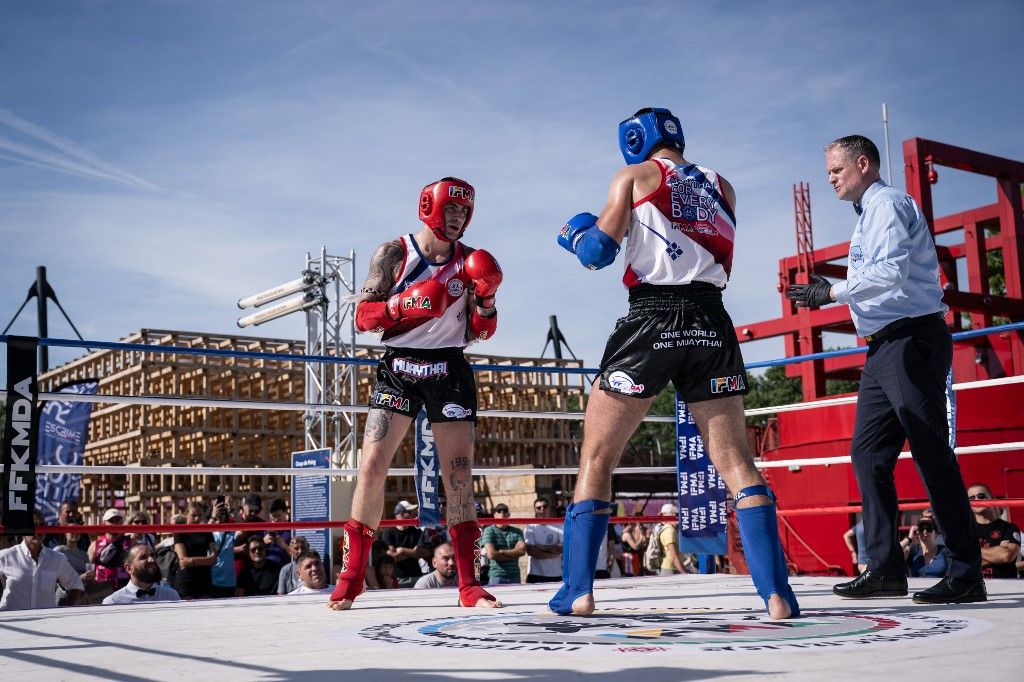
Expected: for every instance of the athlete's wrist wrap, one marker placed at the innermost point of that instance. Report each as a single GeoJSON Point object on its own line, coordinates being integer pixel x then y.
{"type": "Point", "coordinates": [355, 553]}
{"type": "Point", "coordinates": [595, 249]}
{"type": "Point", "coordinates": [759, 532]}
{"type": "Point", "coordinates": [464, 543]}
{"type": "Point", "coordinates": [585, 528]}
{"type": "Point", "coordinates": [482, 327]}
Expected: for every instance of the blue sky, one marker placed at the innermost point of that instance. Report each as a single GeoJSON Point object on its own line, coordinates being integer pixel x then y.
{"type": "Point", "coordinates": [164, 159]}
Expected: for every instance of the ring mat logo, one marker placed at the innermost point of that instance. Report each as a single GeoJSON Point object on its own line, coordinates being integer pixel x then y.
{"type": "Point", "coordinates": [648, 630]}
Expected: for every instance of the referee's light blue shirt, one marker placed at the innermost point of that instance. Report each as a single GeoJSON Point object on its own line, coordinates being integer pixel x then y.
{"type": "Point", "coordinates": [893, 269]}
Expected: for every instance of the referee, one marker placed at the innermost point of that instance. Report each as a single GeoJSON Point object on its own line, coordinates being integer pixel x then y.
{"type": "Point", "coordinates": [896, 304]}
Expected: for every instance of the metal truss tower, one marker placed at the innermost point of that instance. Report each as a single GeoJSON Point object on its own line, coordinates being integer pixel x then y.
{"type": "Point", "coordinates": [331, 331]}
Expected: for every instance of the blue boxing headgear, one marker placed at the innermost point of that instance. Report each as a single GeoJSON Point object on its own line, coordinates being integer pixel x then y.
{"type": "Point", "coordinates": [645, 130]}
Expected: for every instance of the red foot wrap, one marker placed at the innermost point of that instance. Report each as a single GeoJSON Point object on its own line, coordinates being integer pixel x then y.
{"type": "Point", "coordinates": [464, 538]}
{"type": "Point", "coordinates": [355, 553]}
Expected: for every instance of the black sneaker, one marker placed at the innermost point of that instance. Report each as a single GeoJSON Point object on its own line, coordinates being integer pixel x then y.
{"type": "Point", "coordinates": [952, 590]}
{"type": "Point", "coordinates": [870, 585]}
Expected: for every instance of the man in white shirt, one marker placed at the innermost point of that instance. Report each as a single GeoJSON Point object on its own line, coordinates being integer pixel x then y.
{"type": "Point", "coordinates": [32, 573]}
{"type": "Point", "coordinates": [312, 576]}
{"type": "Point", "coordinates": [144, 580]}
{"type": "Point", "coordinates": [444, 573]}
{"type": "Point", "coordinates": [544, 547]}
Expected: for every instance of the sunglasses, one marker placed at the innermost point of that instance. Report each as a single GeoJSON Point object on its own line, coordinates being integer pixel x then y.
{"type": "Point", "coordinates": [541, 506]}
{"type": "Point", "coordinates": [257, 550]}
{"type": "Point", "coordinates": [139, 521]}
{"type": "Point", "coordinates": [926, 529]}
{"type": "Point", "coordinates": [980, 496]}
{"type": "Point", "coordinates": [501, 511]}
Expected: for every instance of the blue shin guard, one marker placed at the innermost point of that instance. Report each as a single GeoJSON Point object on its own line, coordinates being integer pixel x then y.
{"type": "Point", "coordinates": [759, 532]}
{"type": "Point", "coordinates": [584, 531]}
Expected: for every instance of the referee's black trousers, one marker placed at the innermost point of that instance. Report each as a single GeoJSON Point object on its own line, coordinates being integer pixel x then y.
{"type": "Point", "coordinates": [902, 397]}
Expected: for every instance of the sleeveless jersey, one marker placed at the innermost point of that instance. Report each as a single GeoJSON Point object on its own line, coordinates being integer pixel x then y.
{"type": "Point", "coordinates": [446, 331]}
{"type": "Point", "coordinates": [682, 232]}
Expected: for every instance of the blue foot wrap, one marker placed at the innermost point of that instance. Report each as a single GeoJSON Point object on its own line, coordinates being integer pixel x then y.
{"type": "Point", "coordinates": [759, 531]}
{"type": "Point", "coordinates": [584, 531]}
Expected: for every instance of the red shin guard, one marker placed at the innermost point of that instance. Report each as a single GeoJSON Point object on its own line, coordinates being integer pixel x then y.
{"type": "Point", "coordinates": [464, 539]}
{"type": "Point", "coordinates": [355, 553]}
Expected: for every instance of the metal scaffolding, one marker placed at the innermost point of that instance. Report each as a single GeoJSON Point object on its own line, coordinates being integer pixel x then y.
{"type": "Point", "coordinates": [331, 331]}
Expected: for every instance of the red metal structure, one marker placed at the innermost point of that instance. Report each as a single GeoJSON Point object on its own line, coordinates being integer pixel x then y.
{"type": "Point", "coordinates": [987, 415]}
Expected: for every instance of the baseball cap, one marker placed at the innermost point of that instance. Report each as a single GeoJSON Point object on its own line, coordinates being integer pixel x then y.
{"type": "Point", "coordinates": [254, 501]}
{"type": "Point", "coordinates": [404, 506]}
{"type": "Point", "coordinates": [668, 508]}
{"type": "Point", "coordinates": [112, 514]}
{"type": "Point", "coordinates": [503, 508]}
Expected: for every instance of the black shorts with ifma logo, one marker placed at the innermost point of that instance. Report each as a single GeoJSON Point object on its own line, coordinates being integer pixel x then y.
{"type": "Point", "coordinates": [680, 334]}
{"type": "Point", "coordinates": [439, 379]}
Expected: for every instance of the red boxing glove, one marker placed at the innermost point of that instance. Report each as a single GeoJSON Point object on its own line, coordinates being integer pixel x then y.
{"type": "Point", "coordinates": [484, 272]}
{"type": "Point", "coordinates": [424, 299]}
{"type": "Point", "coordinates": [482, 328]}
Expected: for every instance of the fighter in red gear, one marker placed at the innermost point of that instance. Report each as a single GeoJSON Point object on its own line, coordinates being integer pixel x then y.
{"type": "Point", "coordinates": [429, 296]}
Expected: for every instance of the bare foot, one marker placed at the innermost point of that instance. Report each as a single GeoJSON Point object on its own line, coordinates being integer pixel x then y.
{"type": "Point", "coordinates": [778, 608]}
{"type": "Point", "coordinates": [583, 606]}
{"type": "Point", "coordinates": [341, 605]}
{"type": "Point", "coordinates": [489, 604]}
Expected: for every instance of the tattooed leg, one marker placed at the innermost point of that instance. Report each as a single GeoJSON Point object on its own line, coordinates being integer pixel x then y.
{"type": "Point", "coordinates": [382, 435]}
{"type": "Point", "coordinates": [455, 452]}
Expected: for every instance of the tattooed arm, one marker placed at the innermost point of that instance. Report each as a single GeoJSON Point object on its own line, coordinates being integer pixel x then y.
{"type": "Point", "coordinates": [371, 308]}
{"type": "Point", "coordinates": [383, 272]}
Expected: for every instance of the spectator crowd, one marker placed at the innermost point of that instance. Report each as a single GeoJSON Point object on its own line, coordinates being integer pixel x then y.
{"type": "Point", "coordinates": [68, 568]}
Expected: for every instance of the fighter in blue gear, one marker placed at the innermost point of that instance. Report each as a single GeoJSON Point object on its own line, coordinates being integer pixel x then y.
{"type": "Point", "coordinates": [633, 374]}
{"type": "Point", "coordinates": [646, 129]}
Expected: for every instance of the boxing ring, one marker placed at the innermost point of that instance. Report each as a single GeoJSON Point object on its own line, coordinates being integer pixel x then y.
{"type": "Point", "coordinates": [694, 627]}
{"type": "Point", "coordinates": [670, 628]}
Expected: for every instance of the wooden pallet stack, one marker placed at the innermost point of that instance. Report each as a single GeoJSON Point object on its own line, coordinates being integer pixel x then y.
{"type": "Point", "coordinates": [165, 435]}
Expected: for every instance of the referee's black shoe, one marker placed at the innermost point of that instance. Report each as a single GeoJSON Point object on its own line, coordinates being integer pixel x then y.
{"type": "Point", "coordinates": [870, 585]}
{"type": "Point", "coordinates": [952, 590]}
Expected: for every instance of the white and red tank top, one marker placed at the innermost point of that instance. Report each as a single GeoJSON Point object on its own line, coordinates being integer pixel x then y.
{"type": "Point", "coordinates": [447, 331]}
{"type": "Point", "coordinates": [682, 232]}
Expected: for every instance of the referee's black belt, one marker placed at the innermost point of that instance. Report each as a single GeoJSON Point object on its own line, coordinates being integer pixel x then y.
{"type": "Point", "coordinates": [902, 323]}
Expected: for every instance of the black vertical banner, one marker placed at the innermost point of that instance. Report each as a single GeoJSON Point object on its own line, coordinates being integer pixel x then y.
{"type": "Point", "coordinates": [20, 434]}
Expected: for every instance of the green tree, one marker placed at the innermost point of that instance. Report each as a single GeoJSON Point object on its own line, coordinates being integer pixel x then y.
{"type": "Point", "coordinates": [654, 443]}
{"type": "Point", "coordinates": [771, 388]}
{"type": "Point", "coordinates": [775, 388]}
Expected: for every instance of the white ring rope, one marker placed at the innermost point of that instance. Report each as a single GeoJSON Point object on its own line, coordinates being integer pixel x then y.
{"type": "Point", "coordinates": [574, 416]}
{"type": "Point", "coordinates": [129, 470]}
{"type": "Point", "coordinates": [303, 407]}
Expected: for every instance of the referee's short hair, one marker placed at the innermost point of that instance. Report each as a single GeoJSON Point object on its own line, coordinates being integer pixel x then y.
{"type": "Point", "coordinates": [855, 146]}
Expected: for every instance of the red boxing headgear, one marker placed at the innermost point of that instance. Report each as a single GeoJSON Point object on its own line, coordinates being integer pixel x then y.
{"type": "Point", "coordinates": [436, 196]}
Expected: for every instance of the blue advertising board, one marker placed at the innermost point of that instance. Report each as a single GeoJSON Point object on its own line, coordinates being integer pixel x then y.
{"type": "Point", "coordinates": [63, 431]}
{"type": "Point", "coordinates": [428, 493]}
{"type": "Point", "coordinates": [702, 492]}
{"type": "Point", "coordinates": [311, 499]}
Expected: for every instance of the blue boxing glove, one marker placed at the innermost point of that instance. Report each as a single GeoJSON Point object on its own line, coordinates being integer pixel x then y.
{"type": "Point", "coordinates": [574, 229]}
{"type": "Point", "coordinates": [583, 237]}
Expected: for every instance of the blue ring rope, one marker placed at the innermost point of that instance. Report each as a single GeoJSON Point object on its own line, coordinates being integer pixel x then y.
{"type": "Point", "coordinates": [327, 359]}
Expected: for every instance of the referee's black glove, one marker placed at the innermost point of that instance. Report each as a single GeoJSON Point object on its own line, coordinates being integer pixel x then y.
{"type": "Point", "coordinates": [813, 295]}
